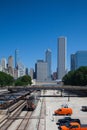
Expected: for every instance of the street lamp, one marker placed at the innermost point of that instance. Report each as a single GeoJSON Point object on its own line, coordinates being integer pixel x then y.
{"type": "Point", "coordinates": [68, 97]}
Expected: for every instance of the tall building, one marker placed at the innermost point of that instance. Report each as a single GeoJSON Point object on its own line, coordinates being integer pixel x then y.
{"type": "Point", "coordinates": [26, 71]}
{"type": "Point", "coordinates": [16, 58]}
{"type": "Point", "coordinates": [48, 60]}
{"type": "Point", "coordinates": [41, 71]}
{"type": "Point", "coordinates": [21, 69]}
{"type": "Point", "coordinates": [31, 73]}
{"type": "Point", "coordinates": [15, 73]}
{"type": "Point", "coordinates": [10, 62]}
{"type": "Point", "coordinates": [0, 67]}
{"type": "Point", "coordinates": [54, 75]}
{"type": "Point", "coordinates": [72, 62]}
{"type": "Point", "coordinates": [3, 63]}
{"type": "Point", "coordinates": [10, 66]}
{"type": "Point", "coordinates": [61, 59]}
{"type": "Point", "coordinates": [80, 59]}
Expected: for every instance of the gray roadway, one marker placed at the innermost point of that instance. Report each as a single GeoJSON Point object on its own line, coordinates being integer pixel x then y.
{"type": "Point", "coordinates": [48, 121]}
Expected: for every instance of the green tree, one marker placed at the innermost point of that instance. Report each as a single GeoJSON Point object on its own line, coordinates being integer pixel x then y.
{"type": "Point", "coordinates": [23, 81]}
{"type": "Point", "coordinates": [68, 78]}
{"type": "Point", "coordinates": [77, 77]}
{"type": "Point", "coordinates": [6, 79]}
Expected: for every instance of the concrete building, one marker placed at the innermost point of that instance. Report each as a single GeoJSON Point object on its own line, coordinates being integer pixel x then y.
{"type": "Point", "coordinates": [41, 71]}
{"type": "Point", "coordinates": [26, 71]}
{"type": "Point", "coordinates": [15, 73]}
{"type": "Point", "coordinates": [10, 71]}
{"type": "Point", "coordinates": [10, 66]}
{"type": "Point", "coordinates": [61, 59]}
{"type": "Point", "coordinates": [48, 60]}
{"type": "Point", "coordinates": [19, 65]}
{"type": "Point", "coordinates": [0, 67]}
{"type": "Point", "coordinates": [31, 73]}
{"type": "Point", "coordinates": [21, 69]}
{"type": "Point", "coordinates": [79, 59]}
{"type": "Point", "coordinates": [10, 62]}
{"type": "Point", "coordinates": [3, 64]}
{"type": "Point", "coordinates": [54, 76]}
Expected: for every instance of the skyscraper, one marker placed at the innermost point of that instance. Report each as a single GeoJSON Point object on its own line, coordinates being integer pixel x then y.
{"type": "Point", "coordinates": [41, 70]}
{"type": "Point", "coordinates": [16, 58]}
{"type": "Point", "coordinates": [31, 73]}
{"type": "Point", "coordinates": [10, 66]}
{"type": "Point", "coordinates": [0, 67]}
{"type": "Point", "coordinates": [10, 61]}
{"type": "Point", "coordinates": [3, 63]}
{"type": "Point", "coordinates": [72, 61]}
{"type": "Point", "coordinates": [48, 60]}
{"type": "Point", "coordinates": [80, 59]}
{"type": "Point", "coordinates": [61, 59]}
{"type": "Point", "coordinates": [21, 69]}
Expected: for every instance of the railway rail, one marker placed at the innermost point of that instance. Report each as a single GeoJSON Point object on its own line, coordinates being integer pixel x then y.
{"type": "Point", "coordinates": [24, 125]}
{"type": "Point", "coordinates": [14, 114]}
{"type": "Point", "coordinates": [24, 122]}
{"type": "Point", "coordinates": [42, 115]}
{"type": "Point", "coordinates": [8, 121]}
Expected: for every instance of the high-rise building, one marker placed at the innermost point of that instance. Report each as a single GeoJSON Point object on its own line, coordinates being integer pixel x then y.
{"type": "Point", "coordinates": [15, 73]}
{"type": "Point", "coordinates": [19, 65]}
{"type": "Point", "coordinates": [21, 69]}
{"type": "Point", "coordinates": [48, 60]}
{"type": "Point", "coordinates": [41, 71]}
{"type": "Point", "coordinates": [0, 67]}
{"type": "Point", "coordinates": [31, 73]}
{"type": "Point", "coordinates": [72, 61]}
{"type": "Point", "coordinates": [3, 63]}
{"type": "Point", "coordinates": [80, 59]}
{"type": "Point", "coordinates": [54, 75]}
{"type": "Point", "coordinates": [26, 71]}
{"type": "Point", "coordinates": [10, 66]}
{"type": "Point", "coordinates": [16, 58]}
{"type": "Point", "coordinates": [10, 61]}
{"type": "Point", "coordinates": [61, 59]}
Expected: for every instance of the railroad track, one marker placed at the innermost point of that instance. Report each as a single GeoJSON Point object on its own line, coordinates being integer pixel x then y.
{"type": "Point", "coordinates": [29, 115]}
{"type": "Point", "coordinates": [42, 116]}
{"type": "Point", "coordinates": [8, 121]}
{"type": "Point", "coordinates": [24, 122]}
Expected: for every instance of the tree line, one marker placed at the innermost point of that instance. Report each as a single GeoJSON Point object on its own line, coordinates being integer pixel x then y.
{"type": "Point", "coordinates": [8, 80]}
{"type": "Point", "coordinates": [77, 77]}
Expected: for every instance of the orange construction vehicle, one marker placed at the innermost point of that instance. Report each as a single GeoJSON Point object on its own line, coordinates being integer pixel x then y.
{"type": "Point", "coordinates": [63, 111]}
{"type": "Point", "coordinates": [72, 126]}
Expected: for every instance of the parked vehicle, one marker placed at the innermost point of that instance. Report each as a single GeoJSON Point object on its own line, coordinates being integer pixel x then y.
{"type": "Point", "coordinates": [72, 126]}
{"type": "Point", "coordinates": [64, 105]}
{"type": "Point", "coordinates": [67, 120]}
{"type": "Point", "coordinates": [84, 108]}
{"type": "Point", "coordinates": [63, 111]}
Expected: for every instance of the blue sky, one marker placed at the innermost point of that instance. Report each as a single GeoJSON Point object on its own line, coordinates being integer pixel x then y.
{"type": "Point", "coordinates": [32, 26]}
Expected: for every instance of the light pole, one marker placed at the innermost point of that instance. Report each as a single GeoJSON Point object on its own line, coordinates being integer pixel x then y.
{"type": "Point", "coordinates": [68, 97]}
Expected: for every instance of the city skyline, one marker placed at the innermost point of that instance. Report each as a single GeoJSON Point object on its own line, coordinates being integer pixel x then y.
{"type": "Point", "coordinates": [34, 26]}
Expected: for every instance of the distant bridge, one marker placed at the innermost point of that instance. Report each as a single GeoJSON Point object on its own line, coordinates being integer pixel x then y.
{"type": "Point", "coordinates": [47, 87]}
